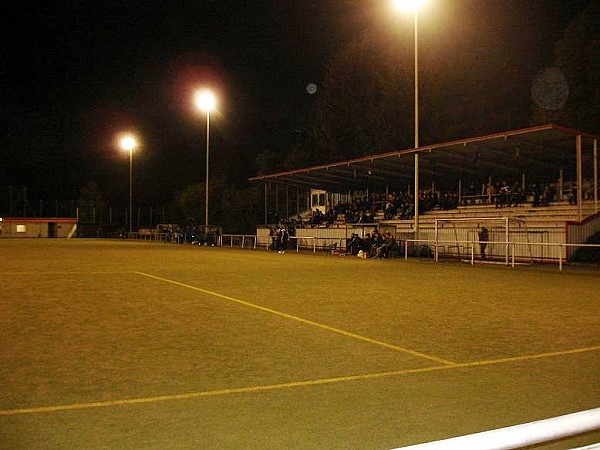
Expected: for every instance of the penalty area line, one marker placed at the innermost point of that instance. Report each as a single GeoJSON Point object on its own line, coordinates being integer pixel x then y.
{"type": "Point", "coordinates": [290, 385]}
{"type": "Point", "coordinates": [304, 321]}
{"type": "Point", "coordinates": [89, 272]}
{"type": "Point", "coordinates": [214, 393]}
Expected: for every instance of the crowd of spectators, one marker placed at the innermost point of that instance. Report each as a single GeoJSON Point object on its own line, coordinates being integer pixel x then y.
{"type": "Point", "coordinates": [196, 235]}
{"type": "Point", "coordinates": [365, 210]}
{"type": "Point", "coordinates": [503, 194]}
{"type": "Point", "coordinates": [400, 205]}
{"type": "Point", "coordinates": [394, 206]}
{"type": "Point", "coordinates": [372, 245]}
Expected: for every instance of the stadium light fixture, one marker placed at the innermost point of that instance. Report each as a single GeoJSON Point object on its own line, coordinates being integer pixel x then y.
{"type": "Point", "coordinates": [129, 143]}
{"type": "Point", "coordinates": [206, 101]}
{"type": "Point", "coordinates": [409, 5]}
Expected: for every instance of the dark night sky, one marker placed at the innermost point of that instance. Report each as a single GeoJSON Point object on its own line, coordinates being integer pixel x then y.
{"type": "Point", "coordinates": [75, 73]}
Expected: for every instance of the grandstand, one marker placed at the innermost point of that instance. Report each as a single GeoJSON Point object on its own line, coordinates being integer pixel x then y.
{"type": "Point", "coordinates": [532, 229]}
{"type": "Point", "coordinates": [563, 160]}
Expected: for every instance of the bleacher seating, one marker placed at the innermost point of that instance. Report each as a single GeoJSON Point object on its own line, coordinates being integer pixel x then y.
{"type": "Point", "coordinates": [555, 215]}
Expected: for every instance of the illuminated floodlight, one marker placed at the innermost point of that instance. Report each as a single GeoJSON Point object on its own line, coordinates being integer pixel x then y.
{"type": "Point", "coordinates": [409, 5]}
{"type": "Point", "coordinates": [205, 100]}
{"type": "Point", "coordinates": [128, 142]}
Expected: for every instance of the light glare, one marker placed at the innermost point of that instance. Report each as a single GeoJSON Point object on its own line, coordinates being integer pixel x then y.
{"type": "Point", "coordinates": [205, 100]}
{"type": "Point", "coordinates": [409, 5]}
{"type": "Point", "coordinates": [128, 142]}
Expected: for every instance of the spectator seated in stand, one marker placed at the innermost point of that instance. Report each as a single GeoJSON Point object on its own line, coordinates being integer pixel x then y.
{"type": "Point", "coordinates": [330, 216]}
{"type": "Point", "coordinates": [503, 194]}
{"type": "Point", "coordinates": [354, 244]}
{"type": "Point", "coordinates": [448, 201]}
{"type": "Point", "coordinates": [400, 205]}
{"type": "Point", "coordinates": [317, 218]}
{"type": "Point", "coordinates": [367, 244]}
{"type": "Point", "coordinates": [377, 242]}
{"type": "Point", "coordinates": [383, 251]}
{"type": "Point", "coordinates": [516, 195]}
{"type": "Point", "coordinates": [490, 192]}
{"type": "Point", "coordinates": [547, 195]}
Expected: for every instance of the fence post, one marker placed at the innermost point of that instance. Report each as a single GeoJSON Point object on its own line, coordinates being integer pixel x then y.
{"type": "Point", "coordinates": [513, 254]}
{"type": "Point", "coordinates": [472, 253]}
{"type": "Point", "coordinates": [560, 261]}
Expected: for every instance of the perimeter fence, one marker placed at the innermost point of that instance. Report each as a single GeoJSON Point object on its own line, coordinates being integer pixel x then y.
{"type": "Point", "coordinates": [436, 250]}
{"type": "Point", "coordinates": [471, 252]}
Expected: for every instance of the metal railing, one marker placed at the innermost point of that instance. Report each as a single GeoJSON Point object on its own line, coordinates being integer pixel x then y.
{"type": "Point", "coordinates": [509, 256]}
{"type": "Point", "coordinates": [171, 238]}
{"type": "Point", "coordinates": [520, 436]}
{"type": "Point", "coordinates": [313, 243]}
{"type": "Point", "coordinates": [240, 239]}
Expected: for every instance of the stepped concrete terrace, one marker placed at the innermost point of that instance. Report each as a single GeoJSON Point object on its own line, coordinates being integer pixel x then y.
{"type": "Point", "coordinates": [555, 215]}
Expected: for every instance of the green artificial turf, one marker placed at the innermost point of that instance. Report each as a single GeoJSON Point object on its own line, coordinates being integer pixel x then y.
{"type": "Point", "coordinates": [142, 345]}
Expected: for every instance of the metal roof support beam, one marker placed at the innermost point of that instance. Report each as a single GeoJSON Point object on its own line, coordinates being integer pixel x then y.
{"type": "Point", "coordinates": [488, 164]}
{"type": "Point", "coordinates": [532, 159]}
{"type": "Point", "coordinates": [386, 172]}
{"type": "Point", "coordinates": [541, 144]}
{"type": "Point", "coordinates": [341, 175]}
{"type": "Point", "coordinates": [451, 159]}
{"type": "Point", "coordinates": [393, 166]}
{"type": "Point", "coordinates": [393, 169]}
{"type": "Point", "coordinates": [318, 182]}
{"type": "Point", "coordinates": [451, 167]}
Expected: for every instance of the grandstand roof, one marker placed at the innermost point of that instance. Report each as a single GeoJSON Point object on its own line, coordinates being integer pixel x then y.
{"type": "Point", "coordinates": [537, 151]}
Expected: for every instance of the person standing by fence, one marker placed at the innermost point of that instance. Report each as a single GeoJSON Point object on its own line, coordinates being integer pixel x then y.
{"type": "Point", "coordinates": [282, 241]}
{"type": "Point", "coordinates": [484, 237]}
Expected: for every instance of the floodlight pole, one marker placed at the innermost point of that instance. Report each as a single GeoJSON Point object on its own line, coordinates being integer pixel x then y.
{"type": "Point", "coordinates": [205, 100]}
{"type": "Point", "coordinates": [416, 217]}
{"type": "Point", "coordinates": [207, 168]}
{"type": "Point", "coordinates": [128, 143]}
{"type": "Point", "coordinates": [131, 189]}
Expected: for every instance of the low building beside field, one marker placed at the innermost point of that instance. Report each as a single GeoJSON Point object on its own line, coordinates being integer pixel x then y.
{"type": "Point", "coordinates": [54, 227]}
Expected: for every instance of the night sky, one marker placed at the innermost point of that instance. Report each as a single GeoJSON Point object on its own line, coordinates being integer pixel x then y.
{"type": "Point", "coordinates": [76, 73]}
